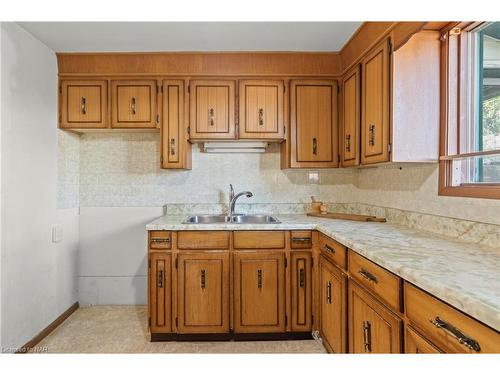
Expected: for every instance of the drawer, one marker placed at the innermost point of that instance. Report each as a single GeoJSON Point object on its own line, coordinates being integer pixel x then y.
{"type": "Point", "coordinates": [160, 239]}
{"type": "Point", "coordinates": [447, 327]}
{"type": "Point", "coordinates": [333, 250]}
{"type": "Point", "coordinates": [301, 239]}
{"type": "Point", "coordinates": [255, 239]}
{"type": "Point", "coordinates": [205, 240]}
{"type": "Point", "coordinates": [375, 278]}
{"type": "Point", "coordinates": [417, 344]}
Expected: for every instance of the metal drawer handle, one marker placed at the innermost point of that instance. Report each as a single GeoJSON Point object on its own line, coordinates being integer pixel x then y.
{"type": "Point", "coordinates": [211, 115]}
{"type": "Point", "coordinates": [302, 279]}
{"type": "Point", "coordinates": [160, 279]}
{"type": "Point", "coordinates": [348, 143]}
{"type": "Point", "coordinates": [329, 249]}
{"type": "Point", "coordinates": [160, 240]}
{"type": "Point", "coordinates": [455, 332]}
{"type": "Point", "coordinates": [301, 239]}
{"type": "Point", "coordinates": [172, 146]}
{"type": "Point", "coordinates": [259, 279]}
{"type": "Point", "coordinates": [371, 135]}
{"type": "Point", "coordinates": [203, 279]}
{"type": "Point", "coordinates": [329, 292]}
{"type": "Point", "coordinates": [367, 336]}
{"type": "Point", "coordinates": [315, 146]}
{"type": "Point", "coordinates": [367, 275]}
{"type": "Point", "coordinates": [132, 105]}
{"type": "Point", "coordinates": [261, 117]}
{"type": "Point", "coordinates": [83, 105]}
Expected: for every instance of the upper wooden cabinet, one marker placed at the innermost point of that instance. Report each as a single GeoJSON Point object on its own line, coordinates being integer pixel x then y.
{"type": "Point", "coordinates": [83, 104]}
{"type": "Point", "coordinates": [261, 109]}
{"type": "Point", "coordinates": [175, 148]}
{"type": "Point", "coordinates": [313, 124]}
{"type": "Point", "coordinates": [351, 116]}
{"type": "Point", "coordinates": [134, 104]}
{"type": "Point", "coordinates": [375, 105]}
{"type": "Point", "coordinates": [212, 112]}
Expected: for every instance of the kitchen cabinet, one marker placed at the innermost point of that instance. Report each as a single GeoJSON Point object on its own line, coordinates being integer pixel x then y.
{"type": "Point", "coordinates": [175, 148]}
{"type": "Point", "coordinates": [332, 303]}
{"type": "Point", "coordinates": [259, 291]}
{"type": "Point", "coordinates": [301, 291]}
{"type": "Point", "coordinates": [375, 118]}
{"type": "Point", "coordinates": [134, 104]}
{"type": "Point", "coordinates": [351, 116]}
{"type": "Point", "coordinates": [203, 292]}
{"type": "Point", "coordinates": [313, 124]}
{"type": "Point", "coordinates": [83, 104]}
{"type": "Point", "coordinates": [261, 109]}
{"type": "Point", "coordinates": [212, 111]}
{"type": "Point", "coordinates": [417, 344]}
{"type": "Point", "coordinates": [373, 328]}
{"type": "Point", "coordinates": [160, 292]}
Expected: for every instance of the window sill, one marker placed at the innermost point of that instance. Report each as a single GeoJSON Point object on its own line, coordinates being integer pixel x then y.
{"type": "Point", "coordinates": [491, 191]}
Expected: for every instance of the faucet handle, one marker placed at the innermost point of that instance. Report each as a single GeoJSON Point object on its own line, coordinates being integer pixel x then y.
{"type": "Point", "coordinates": [231, 191]}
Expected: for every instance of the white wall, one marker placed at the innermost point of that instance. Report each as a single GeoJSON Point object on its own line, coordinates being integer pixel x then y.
{"type": "Point", "coordinates": [38, 277]}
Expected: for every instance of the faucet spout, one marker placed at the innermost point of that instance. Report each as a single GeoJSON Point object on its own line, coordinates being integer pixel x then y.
{"type": "Point", "coordinates": [232, 203]}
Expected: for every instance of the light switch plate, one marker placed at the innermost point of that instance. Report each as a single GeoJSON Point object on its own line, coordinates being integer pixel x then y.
{"type": "Point", "coordinates": [57, 233]}
{"type": "Point", "coordinates": [313, 177]}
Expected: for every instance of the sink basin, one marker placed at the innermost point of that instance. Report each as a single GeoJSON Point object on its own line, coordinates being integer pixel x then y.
{"type": "Point", "coordinates": [235, 219]}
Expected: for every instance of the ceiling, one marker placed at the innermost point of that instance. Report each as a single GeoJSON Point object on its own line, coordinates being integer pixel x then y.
{"type": "Point", "coordinates": [191, 36]}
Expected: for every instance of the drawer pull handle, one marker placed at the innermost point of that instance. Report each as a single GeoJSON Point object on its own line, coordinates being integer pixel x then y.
{"type": "Point", "coordinates": [259, 279]}
{"type": "Point", "coordinates": [367, 336]}
{"type": "Point", "coordinates": [315, 146]}
{"type": "Point", "coordinates": [132, 105]}
{"type": "Point", "coordinates": [160, 240]}
{"type": "Point", "coordinates": [367, 275]}
{"type": "Point", "coordinates": [302, 279]}
{"type": "Point", "coordinates": [83, 105]}
{"type": "Point", "coordinates": [329, 249]}
{"type": "Point", "coordinates": [160, 279]}
{"type": "Point", "coordinates": [329, 292]}
{"type": "Point", "coordinates": [203, 279]}
{"type": "Point", "coordinates": [348, 143]}
{"type": "Point", "coordinates": [371, 139]}
{"type": "Point", "coordinates": [211, 117]}
{"type": "Point", "coordinates": [301, 239]}
{"type": "Point", "coordinates": [261, 116]}
{"type": "Point", "coordinates": [455, 332]}
{"type": "Point", "coordinates": [172, 146]}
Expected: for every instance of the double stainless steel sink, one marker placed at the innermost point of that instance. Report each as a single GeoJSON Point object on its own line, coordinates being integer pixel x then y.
{"type": "Point", "coordinates": [231, 219]}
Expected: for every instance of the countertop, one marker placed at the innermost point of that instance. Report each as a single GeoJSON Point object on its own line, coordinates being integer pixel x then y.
{"type": "Point", "coordinates": [465, 275]}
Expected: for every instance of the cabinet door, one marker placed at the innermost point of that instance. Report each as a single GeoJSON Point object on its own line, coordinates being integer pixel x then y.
{"type": "Point", "coordinates": [259, 292]}
{"type": "Point", "coordinates": [375, 105]}
{"type": "Point", "coordinates": [160, 292]}
{"type": "Point", "coordinates": [332, 285]}
{"type": "Point", "coordinates": [372, 327]}
{"type": "Point", "coordinates": [175, 149]}
{"type": "Point", "coordinates": [133, 104]}
{"type": "Point", "coordinates": [83, 104]}
{"type": "Point", "coordinates": [212, 109]}
{"type": "Point", "coordinates": [417, 344]}
{"type": "Point", "coordinates": [314, 132]}
{"type": "Point", "coordinates": [301, 291]}
{"type": "Point", "coordinates": [203, 292]}
{"type": "Point", "coordinates": [261, 109]}
{"type": "Point", "coordinates": [350, 118]}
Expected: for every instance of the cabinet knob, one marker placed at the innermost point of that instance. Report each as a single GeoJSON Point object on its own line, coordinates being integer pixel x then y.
{"type": "Point", "coordinates": [83, 105]}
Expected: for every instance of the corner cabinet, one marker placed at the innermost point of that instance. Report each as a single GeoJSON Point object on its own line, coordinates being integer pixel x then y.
{"type": "Point", "coordinates": [212, 112]}
{"type": "Point", "coordinates": [313, 124]}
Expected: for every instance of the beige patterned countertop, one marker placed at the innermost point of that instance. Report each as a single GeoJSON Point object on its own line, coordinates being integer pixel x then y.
{"type": "Point", "coordinates": [464, 275]}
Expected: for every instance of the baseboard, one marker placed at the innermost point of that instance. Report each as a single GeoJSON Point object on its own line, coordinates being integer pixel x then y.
{"type": "Point", "coordinates": [26, 348]}
{"type": "Point", "coordinates": [230, 336]}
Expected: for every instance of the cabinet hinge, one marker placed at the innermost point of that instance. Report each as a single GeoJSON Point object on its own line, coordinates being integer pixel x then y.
{"type": "Point", "coordinates": [286, 263]}
{"type": "Point", "coordinates": [176, 264]}
{"type": "Point", "coordinates": [157, 118]}
{"type": "Point", "coordinates": [60, 119]}
{"type": "Point", "coordinates": [338, 88]}
{"type": "Point", "coordinates": [312, 319]}
{"type": "Point", "coordinates": [60, 89]}
{"type": "Point", "coordinates": [312, 262]}
{"type": "Point", "coordinates": [189, 89]}
{"type": "Point", "coordinates": [189, 130]}
{"type": "Point", "coordinates": [176, 322]}
{"type": "Point", "coordinates": [149, 263]}
{"type": "Point", "coordinates": [284, 88]}
{"type": "Point", "coordinates": [149, 322]}
{"type": "Point", "coordinates": [389, 148]}
{"type": "Point", "coordinates": [284, 129]}
{"type": "Point", "coordinates": [161, 159]}
{"type": "Point", "coordinates": [390, 47]}
{"type": "Point", "coordinates": [338, 156]}
{"type": "Point", "coordinates": [286, 320]}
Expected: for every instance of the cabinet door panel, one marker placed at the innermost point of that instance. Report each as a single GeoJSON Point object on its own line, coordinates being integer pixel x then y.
{"type": "Point", "coordinates": [133, 104]}
{"type": "Point", "coordinates": [175, 148]}
{"type": "Point", "coordinates": [372, 327]}
{"type": "Point", "coordinates": [212, 109]}
{"type": "Point", "coordinates": [417, 344]}
{"type": "Point", "coordinates": [300, 287]}
{"type": "Point", "coordinates": [350, 119]}
{"type": "Point", "coordinates": [375, 105]}
{"type": "Point", "coordinates": [203, 282]}
{"type": "Point", "coordinates": [261, 109]}
{"type": "Point", "coordinates": [259, 292]}
{"type": "Point", "coordinates": [83, 104]}
{"type": "Point", "coordinates": [160, 289]}
{"type": "Point", "coordinates": [332, 306]}
{"type": "Point", "coordinates": [314, 133]}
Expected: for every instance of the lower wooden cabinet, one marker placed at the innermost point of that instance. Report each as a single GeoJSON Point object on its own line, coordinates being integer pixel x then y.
{"type": "Point", "coordinates": [373, 328]}
{"type": "Point", "coordinates": [259, 292]}
{"type": "Point", "coordinates": [332, 303]}
{"type": "Point", "coordinates": [160, 292]}
{"type": "Point", "coordinates": [417, 344]}
{"type": "Point", "coordinates": [301, 291]}
{"type": "Point", "coordinates": [203, 292]}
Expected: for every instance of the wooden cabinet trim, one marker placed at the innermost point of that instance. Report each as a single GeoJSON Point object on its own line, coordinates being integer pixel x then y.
{"type": "Point", "coordinates": [415, 343]}
{"type": "Point", "coordinates": [350, 140]}
{"type": "Point", "coordinates": [301, 291]}
{"type": "Point", "coordinates": [160, 292]}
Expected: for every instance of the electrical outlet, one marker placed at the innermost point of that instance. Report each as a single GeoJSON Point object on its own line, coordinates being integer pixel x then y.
{"type": "Point", "coordinates": [57, 233]}
{"type": "Point", "coordinates": [313, 177]}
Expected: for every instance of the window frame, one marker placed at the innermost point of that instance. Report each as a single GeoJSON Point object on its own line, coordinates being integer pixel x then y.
{"type": "Point", "coordinates": [471, 190]}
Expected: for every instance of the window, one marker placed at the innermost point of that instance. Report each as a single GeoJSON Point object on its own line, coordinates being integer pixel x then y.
{"type": "Point", "coordinates": [470, 133]}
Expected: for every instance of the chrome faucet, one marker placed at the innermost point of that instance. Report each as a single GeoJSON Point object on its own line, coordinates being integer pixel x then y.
{"type": "Point", "coordinates": [234, 198]}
